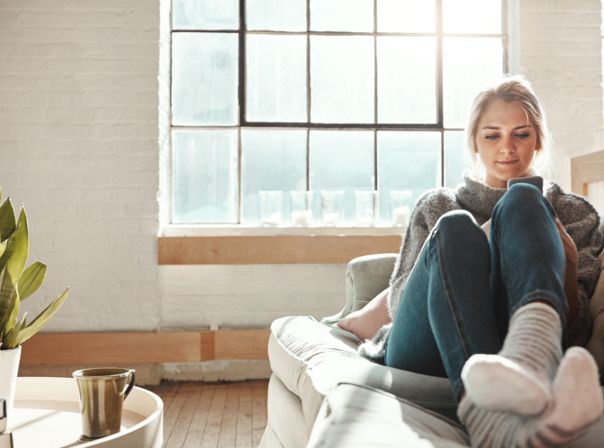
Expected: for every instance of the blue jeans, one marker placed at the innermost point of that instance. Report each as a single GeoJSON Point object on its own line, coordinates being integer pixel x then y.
{"type": "Point", "coordinates": [463, 288]}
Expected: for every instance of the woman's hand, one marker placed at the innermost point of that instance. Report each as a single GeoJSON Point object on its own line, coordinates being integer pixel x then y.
{"type": "Point", "coordinates": [570, 280]}
{"type": "Point", "coordinates": [486, 228]}
{"type": "Point", "coordinates": [570, 250]}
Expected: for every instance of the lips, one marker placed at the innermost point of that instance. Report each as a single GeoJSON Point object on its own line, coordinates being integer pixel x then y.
{"type": "Point", "coordinates": [507, 162]}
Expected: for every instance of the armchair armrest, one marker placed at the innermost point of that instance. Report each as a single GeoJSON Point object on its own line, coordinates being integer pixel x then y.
{"type": "Point", "coordinates": [366, 277]}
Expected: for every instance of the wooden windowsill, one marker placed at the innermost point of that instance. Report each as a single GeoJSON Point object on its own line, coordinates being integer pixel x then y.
{"type": "Point", "coordinates": [273, 249]}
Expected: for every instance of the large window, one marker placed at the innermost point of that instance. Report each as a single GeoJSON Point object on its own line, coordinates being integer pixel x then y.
{"type": "Point", "coordinates": [319, 112]}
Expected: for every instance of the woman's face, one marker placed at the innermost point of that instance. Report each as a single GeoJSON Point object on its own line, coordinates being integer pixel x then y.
{"type": "Point", "coordinates": [506, 142]}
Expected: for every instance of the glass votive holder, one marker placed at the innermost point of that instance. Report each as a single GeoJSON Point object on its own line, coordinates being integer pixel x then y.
{"type": "Point", "coordinates": [364, 207]}
{"type": "Point", "coordinates": [301, 207]}
{"type": "Point", "coordinates": [271, 207]}
{"type": "Point", "coordinates": [400, 207]}
{"type": "Point", "coordinates": [331, 206]}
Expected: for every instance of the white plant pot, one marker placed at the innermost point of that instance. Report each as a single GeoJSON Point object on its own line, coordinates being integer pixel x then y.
{"type": "Point", "coordinates": [9, 367]}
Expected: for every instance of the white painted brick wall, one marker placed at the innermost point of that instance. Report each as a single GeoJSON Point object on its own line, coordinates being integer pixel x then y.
{"type": "Point", "coordinates": [253, 296]}
{"type": "Point", "coordinates": [78, 146]}
{"type": "Point", "coordinates": [558, 48]}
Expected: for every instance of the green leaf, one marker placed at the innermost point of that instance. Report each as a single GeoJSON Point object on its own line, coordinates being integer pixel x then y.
{"type": "Point", "coordinates": [3, 245]}
{"type": "Point", "coordinates": [13, 314]}
{"type": "Point", "coordinates": [31, 279]}
{"type": "Point", "coordinates": [7, 298]}
{"type": "Point", "coordinates": [20, 249]}
{"type": "Point", "coordinates": [38, 323]}
{"type": "Point", "coordinates": [12, 337]}
{"type": "Point", "coordinates": [8, 222]}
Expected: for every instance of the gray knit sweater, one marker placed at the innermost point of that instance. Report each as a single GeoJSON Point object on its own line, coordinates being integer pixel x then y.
{"type": "Point", "coordinates": [579, 218]}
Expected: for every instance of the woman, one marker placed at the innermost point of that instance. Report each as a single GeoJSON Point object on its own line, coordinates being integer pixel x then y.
{"type": "Point", "coordinates": [493, 312]}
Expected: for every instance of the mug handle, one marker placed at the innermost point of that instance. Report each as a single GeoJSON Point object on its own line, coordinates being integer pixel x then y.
{"type": "Point", "coordinates": [130, 383]}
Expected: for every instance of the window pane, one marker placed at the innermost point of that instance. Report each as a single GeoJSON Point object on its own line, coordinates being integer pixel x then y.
{"type": "Point", "coordinates": [204, 79]}
{"type": "Point", "coordinates": [341, 15]}
{"type": "Point", "coordinates": [271, 160]}
{"type": "Point", "coordinates": [341, 160]}
{"type": "Point", "coordinates": [472, 16]}
{"type": "Point", "coordinates": [205, 176]}
{"type": "Point", "coordinates": [276, 15]}
{"type": "Point", "coordinates": [457, 157]}
{"type": "Point", "coordinates": [469, 64]}
{"type": "Point", "coordinates": [276, 78]}
{"type": "Point", "coordinates": [406, 161]}
{"type": "Point", "coordinates": [205, 14]}
{"type": "Point", "coordinates": [405, 16]}
{"type": "Point", "coordinates": [406, 79]}
{"type": "Point", "coordinates": [342, 79]}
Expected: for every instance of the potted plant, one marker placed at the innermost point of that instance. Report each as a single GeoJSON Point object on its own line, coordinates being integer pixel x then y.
{"type": "Point", "coordinates": [17, 283]}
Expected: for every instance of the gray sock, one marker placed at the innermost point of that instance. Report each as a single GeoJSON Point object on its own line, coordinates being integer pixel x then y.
{"type": "Point", "coordinates": [577, 404]}
{"type": "Point", "coordinates": [534, 339]}
{"type": "Point", "coordinates": [492, 429]}
{"type": "Point", "coordinates": [518, 379]}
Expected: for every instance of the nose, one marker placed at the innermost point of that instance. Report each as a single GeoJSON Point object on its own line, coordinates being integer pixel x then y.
{"type": "Point", "coordinates": [507, 144]}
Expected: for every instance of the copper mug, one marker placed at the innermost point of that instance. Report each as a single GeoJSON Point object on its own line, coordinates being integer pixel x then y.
{"type": "Point", "coordinates": [102, 394]}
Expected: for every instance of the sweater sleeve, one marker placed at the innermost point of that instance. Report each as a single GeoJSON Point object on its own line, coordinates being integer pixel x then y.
{"type": "Point", "coordinates": [582, 222]}
{"type": "Point", "coordinates": [416, 235]}
{"type": "Point", "coordinates": [430, 207]}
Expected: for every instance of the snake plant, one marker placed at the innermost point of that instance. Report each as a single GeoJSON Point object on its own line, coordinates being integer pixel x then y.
{"type": "Point", "coordinates": [17, 283]}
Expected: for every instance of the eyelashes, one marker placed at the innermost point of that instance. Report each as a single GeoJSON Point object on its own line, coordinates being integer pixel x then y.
{"type": "Point", "coordinates": [494, 137]}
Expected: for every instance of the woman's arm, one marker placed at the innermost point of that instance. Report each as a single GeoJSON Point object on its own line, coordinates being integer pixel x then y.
{"type": "Point", "coordinates": [570, 280]}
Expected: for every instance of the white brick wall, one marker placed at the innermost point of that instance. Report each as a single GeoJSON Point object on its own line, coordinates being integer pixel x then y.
{"type": "Point", "coordinates": [253, 296]}
{"type": "Point", "coordinates": [558, 47]}
{"type": "Point", "coordinates": [78, 146]}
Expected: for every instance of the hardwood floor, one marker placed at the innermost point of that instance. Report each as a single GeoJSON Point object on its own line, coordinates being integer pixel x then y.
{"type": "Point", "coordinates": [209, 415]}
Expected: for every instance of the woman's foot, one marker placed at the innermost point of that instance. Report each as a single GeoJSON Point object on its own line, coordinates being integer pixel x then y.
{"type": "Point", "coordinates": [576, 404]}
{"type": "Point", "coordinates": [496, 383]}
{"type": "Point", "coordinates": [577, 400]}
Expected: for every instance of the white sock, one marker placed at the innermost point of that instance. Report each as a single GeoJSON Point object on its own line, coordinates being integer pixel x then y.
{"type": "Point", "coordinates": [518, 378]}
{"type": "Point", "coordinates": [577, 403]}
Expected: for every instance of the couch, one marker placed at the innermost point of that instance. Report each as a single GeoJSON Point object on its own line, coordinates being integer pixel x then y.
{"type": "Point", "coordinates": [323, 394]}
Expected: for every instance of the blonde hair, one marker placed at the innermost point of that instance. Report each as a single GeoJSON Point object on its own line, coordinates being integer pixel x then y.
{"type": "Point", "coordinates": [511, 89]}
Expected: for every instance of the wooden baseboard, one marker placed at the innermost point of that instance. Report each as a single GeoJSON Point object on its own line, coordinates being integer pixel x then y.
{"type": "Point", "coordinates": [144, 347]}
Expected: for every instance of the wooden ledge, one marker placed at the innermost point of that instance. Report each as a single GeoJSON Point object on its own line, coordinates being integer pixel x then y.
{"type": "Point", "coordinates": [294, 249]}
{"type": "Point", "coordinates": [144, 347]}
{"type": "Point", "coordinates": [586, 169]}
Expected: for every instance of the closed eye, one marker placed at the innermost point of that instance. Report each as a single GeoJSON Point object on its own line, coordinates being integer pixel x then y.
{"type": "Point", "coordinates": [492, 137]}
{"type": "Point", "coordinates": [522, 135]}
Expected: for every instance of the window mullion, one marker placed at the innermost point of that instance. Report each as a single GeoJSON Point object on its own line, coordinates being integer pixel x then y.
{"type": "Point", "coordinates": [439, 86]}
{"type": "Point", "coordinates": [308, 94]}
{"type": "Point", "coordinates": [375, 96]}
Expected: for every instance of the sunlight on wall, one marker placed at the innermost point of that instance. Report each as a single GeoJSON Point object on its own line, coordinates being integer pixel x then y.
{"type": "Point", "coordinates": [596, 196]}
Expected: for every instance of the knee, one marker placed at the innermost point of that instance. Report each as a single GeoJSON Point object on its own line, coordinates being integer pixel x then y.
{"type": "Point", "coordinates": [456, 223]}
{"type": "Point", "coordinates": [521, 197]}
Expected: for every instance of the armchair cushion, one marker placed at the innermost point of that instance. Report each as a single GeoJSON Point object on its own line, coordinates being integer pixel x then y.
{"type": "Point", "coordinates": [311, 359]}
{"type": "Point", "coordinates": [357, 416]}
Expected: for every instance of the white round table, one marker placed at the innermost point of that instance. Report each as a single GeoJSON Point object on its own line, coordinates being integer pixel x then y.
{"type": "Point", "coordinates": [47, 414]}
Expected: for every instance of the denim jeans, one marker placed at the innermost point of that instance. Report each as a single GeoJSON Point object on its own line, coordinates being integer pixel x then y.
{"type": "Point", "coordinates": [463, 288]}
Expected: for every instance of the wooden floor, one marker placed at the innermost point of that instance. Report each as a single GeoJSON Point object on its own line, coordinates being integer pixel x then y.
{"type": "Point", "coordinates": [208, 415]}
